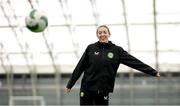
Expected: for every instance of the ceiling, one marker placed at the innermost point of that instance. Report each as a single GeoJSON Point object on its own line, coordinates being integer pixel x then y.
{"type": "Point", "coordinates": [148, 29]}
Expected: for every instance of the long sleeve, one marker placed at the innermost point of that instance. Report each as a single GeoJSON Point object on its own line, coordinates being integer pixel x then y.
{"type": "Point", "coordinates": [82, 64]}
{"type": "Point", "coordinates": [133, 62]}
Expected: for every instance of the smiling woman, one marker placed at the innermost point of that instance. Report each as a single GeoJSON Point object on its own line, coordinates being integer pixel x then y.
{"type": "Point", "coordinates": [103, 33]}
{"type": "Point", "coordinates": [100, 63]}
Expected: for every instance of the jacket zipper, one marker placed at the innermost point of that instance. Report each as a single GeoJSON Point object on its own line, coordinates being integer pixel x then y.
{"type": "Point", "coordinates": [103, 58]}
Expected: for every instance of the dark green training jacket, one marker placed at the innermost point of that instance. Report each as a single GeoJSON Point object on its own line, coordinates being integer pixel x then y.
{"type": "Point", "coordinates": [100, 63]}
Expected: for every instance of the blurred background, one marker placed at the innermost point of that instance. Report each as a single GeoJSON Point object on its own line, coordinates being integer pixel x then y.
{"type": "Point", "coordinates": [35, 67]}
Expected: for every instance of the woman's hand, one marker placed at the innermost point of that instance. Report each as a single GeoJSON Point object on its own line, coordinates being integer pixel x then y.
{"type": "Point", "coordinates": [158, 76]}
{"type": "Point", "coordinates": [67, 90]}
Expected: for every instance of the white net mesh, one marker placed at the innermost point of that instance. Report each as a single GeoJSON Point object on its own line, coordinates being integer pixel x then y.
{"type": "Point", "coordinates": [26, 101]}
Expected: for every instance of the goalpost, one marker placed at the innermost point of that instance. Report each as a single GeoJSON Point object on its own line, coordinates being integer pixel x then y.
{"type": "Point", "coordinates": [26, 101]}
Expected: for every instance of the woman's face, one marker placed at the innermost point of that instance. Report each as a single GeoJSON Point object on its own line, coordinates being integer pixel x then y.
{"type": "Point", "coordinates": [103, 34]}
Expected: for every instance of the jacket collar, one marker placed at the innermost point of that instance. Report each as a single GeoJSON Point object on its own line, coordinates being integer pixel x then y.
{"type": "Point", "coordinates": [104, 45]}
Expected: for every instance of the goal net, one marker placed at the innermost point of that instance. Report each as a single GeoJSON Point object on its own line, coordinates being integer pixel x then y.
{"type": "Point", "coordinates": [26, 101]}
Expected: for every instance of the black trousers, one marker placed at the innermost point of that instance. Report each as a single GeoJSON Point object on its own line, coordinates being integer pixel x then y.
{"type": "Point", "coordinates": [94, 98]}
